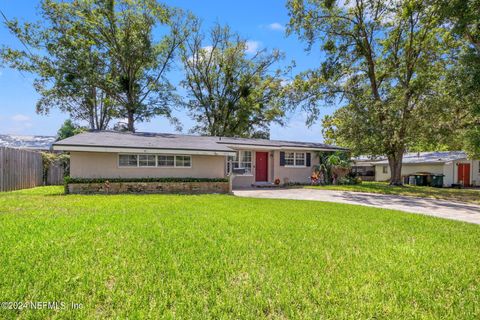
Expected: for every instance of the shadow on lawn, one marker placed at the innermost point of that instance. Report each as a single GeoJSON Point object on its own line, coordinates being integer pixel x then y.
{"type": "Point", "coordinates": [381, 199]}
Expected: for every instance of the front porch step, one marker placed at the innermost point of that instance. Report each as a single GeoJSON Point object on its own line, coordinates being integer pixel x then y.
{"type": "Point", "coordinates": [265, 184]}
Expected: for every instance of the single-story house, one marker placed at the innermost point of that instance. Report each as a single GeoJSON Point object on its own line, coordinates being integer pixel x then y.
{"type": "Point", "coordinates": [113, 154]}
{"type": "Point", "coordinates": [453, 166]}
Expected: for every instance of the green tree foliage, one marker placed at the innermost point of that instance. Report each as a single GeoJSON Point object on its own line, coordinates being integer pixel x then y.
{"type": "Point", "coordinates": [124, 28]}
{"type": "Point", "coordinates": [69, 129]}
{"type": "Point", "coordinates": [462, 84]}
{"type": "Point", "coordinates": [99, 59]}
{"type": "Point", "coordinates": [71, 70]}
{"type": "Point", "coordinates": [381, 58]}
{"type": "Point", "coordinates": [231, 92]}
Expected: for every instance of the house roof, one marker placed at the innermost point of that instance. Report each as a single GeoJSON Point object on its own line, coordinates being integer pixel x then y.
{"type": "Point", "coordinates": [113, 141]}
{"type": "Point", "coordinates": [27, 142]}
{"type": "Point", "coordinates": [432, 157]}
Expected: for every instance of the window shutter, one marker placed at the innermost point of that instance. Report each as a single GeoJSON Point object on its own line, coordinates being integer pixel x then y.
{"type": "Point", "coordinates": [309, 159]}
{"type": "Point", "coordinates": [282, 158]}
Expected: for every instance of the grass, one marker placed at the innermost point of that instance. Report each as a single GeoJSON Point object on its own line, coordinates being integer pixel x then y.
{"type": "Point", "coordinates": [222, 257]}
{"type": "Point", "coordinates": [464, 195]}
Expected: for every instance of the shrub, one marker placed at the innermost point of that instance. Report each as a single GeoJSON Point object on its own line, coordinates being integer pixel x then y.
{"type": "Point", "coordinates": [103, 180]}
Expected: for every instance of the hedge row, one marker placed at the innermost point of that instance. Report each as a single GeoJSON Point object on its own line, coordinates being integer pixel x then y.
{"type": "Point", "coordinates": [103, 180]}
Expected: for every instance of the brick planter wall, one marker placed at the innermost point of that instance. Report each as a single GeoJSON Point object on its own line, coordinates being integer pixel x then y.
{"type": "Point", "coordinates": [149, 187]}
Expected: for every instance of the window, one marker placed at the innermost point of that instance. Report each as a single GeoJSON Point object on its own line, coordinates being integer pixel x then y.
{"type": "Point", "coordinates": [295, 159]}
{"type": "Point", "coordinates": [183, 161]}
{"type": "Point", "coordinates": [127, 160]}
{"type": "Point", "coordinates": [245, 161]}
{"type": "Point", "coordinates": [152, 160]}
{"type": "Point", "coordinates": [300, 159]}
{"type": "Point", "coordinates": [290, 159]}
{"type": "Point", "coordinates": [166, 161]}
{"type": "Point", "coordinates": [478, 167]}
{"type": "Point", "coordinates": [385, 169]}
{"type": "Point", "coordinates": [147, 160]}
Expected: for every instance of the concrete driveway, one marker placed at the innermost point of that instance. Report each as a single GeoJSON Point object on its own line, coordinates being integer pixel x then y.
{"type": "Point", "coordinates": [432, 207]}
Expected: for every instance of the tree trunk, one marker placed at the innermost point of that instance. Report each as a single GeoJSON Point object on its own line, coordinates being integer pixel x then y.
{"type": "Point", "coordinates": [395, 163]}
{"type": "Point", "coordinates": [131, 122]}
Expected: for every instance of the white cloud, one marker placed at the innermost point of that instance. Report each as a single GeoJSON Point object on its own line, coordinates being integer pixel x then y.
{"type": "Point", "coordinates": [20, 118]}
{"type": "Point", "coordinates": [252, 46]}
{"type": "Point", "coordinates": [276, 26]}
{"type": "Point", "coordinates": [207, 48]}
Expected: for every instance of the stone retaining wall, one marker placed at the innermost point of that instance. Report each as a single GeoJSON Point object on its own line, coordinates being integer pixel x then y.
{"type": "Point", "coordinates": [149, 187]}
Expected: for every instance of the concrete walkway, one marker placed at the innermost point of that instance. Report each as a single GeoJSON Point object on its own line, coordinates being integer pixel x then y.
{"type": "Point", "coordinates": [432, 207]}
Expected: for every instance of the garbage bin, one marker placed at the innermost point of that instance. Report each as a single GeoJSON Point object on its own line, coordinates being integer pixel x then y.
{"type": "Point", "coordinates": [411, 180]}
{"type": "Point", "coordinates": [437, 181]}
{"type": "Point", "coordinates": [419, 180]}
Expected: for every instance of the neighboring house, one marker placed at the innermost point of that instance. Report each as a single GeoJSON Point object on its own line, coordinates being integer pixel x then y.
{"type": "Point", "coordinates": [110, 154]}
{"type": "Point", "coordinates": [364, 167]}
{"type": "Point", "coordinates": [41, 143]}
{"type": "Point", "coordinates": [454, 166]}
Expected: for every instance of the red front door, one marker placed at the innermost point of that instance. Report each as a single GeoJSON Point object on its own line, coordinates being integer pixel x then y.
{"type": "Point", "coordinates": [464, 174]}
{"type": "Point", "coordinates": [261, 166]}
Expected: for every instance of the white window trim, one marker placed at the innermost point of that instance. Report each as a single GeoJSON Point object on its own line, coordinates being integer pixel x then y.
{"type": "Point", "coordinates": [138, 161]}
{"type": "Point", "coordinates": [240, 154]}
{"type": "Point", "coordinates": [167, 167]}
{"type": "Point", "coordinates": [156, 161]}
{"type": "Point", "coordinates": [181, 167]}
{"type": "Point", "coordinates": [295, 160]}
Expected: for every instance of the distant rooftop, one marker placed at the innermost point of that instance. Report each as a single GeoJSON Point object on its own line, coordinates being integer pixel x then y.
{"type": "Point", "coordinates": [146, 140]}
{"type": "Point", "coordinates": [26, 142]}
{"type": "Point", "coordinates": [429, 157]}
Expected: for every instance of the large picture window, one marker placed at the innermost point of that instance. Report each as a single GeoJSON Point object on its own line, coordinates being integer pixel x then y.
{"type": "Point", "coordinates": [295, 159]}
{"type": "Point", "coordinates": [153, 160]}
{"type": "Point", "coordinates": [242, 160]}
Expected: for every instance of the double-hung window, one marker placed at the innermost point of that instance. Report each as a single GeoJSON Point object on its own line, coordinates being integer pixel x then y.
{"type": "Point", "coordinates": [295, 159]}
{"type": "Point", "coordinates": [242, 160]}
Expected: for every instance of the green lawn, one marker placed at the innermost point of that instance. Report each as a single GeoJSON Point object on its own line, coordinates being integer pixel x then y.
{"type": "Point", "coordinates": [465, 195]}
{"type": "Point", "coordinates": [217, 256]}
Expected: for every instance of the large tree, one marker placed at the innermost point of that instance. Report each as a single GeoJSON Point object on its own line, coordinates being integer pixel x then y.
{"type": "Point", "coordinates": [102, 58]}
{"type": "Point", "coordinates": [231, 92]}
{"type": "Point", "coordinates": [381, 58]}
{"type": "Point", "coordinates": [71, 72]}
{"type": "Point", "coordinates": [462, 85]}
{"type": "Point", "coordinates": [142, 38]}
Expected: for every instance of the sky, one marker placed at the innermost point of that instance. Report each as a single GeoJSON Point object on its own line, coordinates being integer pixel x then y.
{"type": "Point", "coordinates": [262, 22]}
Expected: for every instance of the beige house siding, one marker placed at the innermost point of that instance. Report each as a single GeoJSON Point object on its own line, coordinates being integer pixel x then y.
{"type": "Point", "coordinates": [294, 174]}
{"type": "Point", "coordinates": [244, 181]}
{"type": "Point", "coordinates": [285, 174]}
{"type": "Point", "coordinates": [105, 165]}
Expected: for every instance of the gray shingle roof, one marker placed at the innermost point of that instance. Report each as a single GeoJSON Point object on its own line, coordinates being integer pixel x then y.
{"type": "Point", "coordinates": [26, 142]}
{"type": "Point", "coordinates": [146, 140]}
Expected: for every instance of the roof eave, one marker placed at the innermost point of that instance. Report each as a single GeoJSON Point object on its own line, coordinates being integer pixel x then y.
{"type": "Point", "coordinates": [81, 148]}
